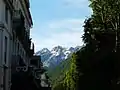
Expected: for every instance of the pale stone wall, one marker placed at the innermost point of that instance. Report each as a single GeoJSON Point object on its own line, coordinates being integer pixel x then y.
{"type": "Point", "coordinates": [5, 31]}
{"type": "Point", "coordinates": [12, 48]}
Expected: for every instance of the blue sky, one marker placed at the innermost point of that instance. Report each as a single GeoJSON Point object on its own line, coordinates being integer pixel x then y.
{"type": "Point", "coordinates": [58, 22]}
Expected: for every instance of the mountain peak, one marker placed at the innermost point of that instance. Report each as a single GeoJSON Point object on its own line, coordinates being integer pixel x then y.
{"type": "Point", "coordinates": [44, 50]}
{"type": "Point", "coordinates": [56, 55]}
{"type": "Point", "coordinates": [57, 49]}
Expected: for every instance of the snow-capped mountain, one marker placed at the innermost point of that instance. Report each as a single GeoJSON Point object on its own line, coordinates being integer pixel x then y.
{"type": "Point", "coordinates": [51, 58]}
{"type": "Point", "coordinates": [44, 53]}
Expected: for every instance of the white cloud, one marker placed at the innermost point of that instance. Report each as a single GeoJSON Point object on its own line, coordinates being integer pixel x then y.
{"type": "Point", "coordinates": [64, 39]}
{"type": "Point", "coordinates": [65, 32]}
{"type": "Point", "coordinates": [68, 24]}
{"type": "Point", "coordinates": [76, 3]}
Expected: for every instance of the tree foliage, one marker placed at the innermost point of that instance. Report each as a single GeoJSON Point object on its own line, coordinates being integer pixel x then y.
{"type": "Point", "coordinates": [97, 65]}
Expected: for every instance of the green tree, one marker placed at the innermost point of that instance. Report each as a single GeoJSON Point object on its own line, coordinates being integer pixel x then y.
{"type": "Point", "coordinates": [106, 14]}
{"type": "Point", "coordinates": [100, 57]}
{"type": "Point", "coordinates": [97, 66]}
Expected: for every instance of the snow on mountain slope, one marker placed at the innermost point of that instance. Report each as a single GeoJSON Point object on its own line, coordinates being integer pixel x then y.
{"type": "Point", "coordinates": [44, 53]}
{"type": "Point", "coordinates": [56, 55]}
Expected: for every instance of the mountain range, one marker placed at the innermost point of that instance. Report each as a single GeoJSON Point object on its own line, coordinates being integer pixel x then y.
{"type": "Point", "coordinates": [52, 58]}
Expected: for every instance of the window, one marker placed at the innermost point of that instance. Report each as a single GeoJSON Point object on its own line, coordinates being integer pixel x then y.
{"type": "Point", "coordinates": [5, 52]}
{"type": "Point", "coordinates": [6, 14]}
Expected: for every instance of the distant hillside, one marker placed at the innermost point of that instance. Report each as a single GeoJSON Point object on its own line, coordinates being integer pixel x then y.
{"type": "Point", "coordinates": [57, 61]}
{"type": "Point", "coordinates": [58, 71]}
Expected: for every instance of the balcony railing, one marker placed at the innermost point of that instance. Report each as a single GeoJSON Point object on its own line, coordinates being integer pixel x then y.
{"type": "Point", "coordinates": [17, 61]}
{"type": "Point", "coordinates": [19, 28]}
{"type": "Point", "coordinates": [18, 24]}
{"type": "Point", "coordinates": [18, 19]}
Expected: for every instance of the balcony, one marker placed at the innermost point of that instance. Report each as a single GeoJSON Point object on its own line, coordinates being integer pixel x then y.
{"type": "Point", "coordinates": [18, 19]}
{"type": "Point", "coordinates": [35, 61]}
{"type": "Point", "coordinates": [26, 42]}
{"type": "Point", "coordinates": [18, 24]}
{"type": "Point", "coordinates": [27, 46]}
{"type": "Point", "coordinates": [19, 28]}
{"type": "Point", "coordinates": [17, 61]}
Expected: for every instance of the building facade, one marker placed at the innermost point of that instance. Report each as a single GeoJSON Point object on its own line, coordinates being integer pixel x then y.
{"type": "Point", "coordinates": [15, 42]}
